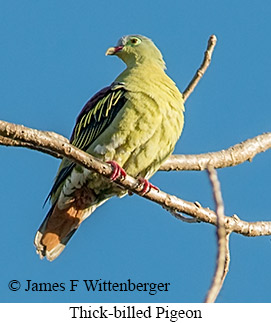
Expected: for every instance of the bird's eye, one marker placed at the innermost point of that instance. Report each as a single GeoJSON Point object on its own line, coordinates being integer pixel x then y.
{"type": "Point", "coordinates": [135, 41]}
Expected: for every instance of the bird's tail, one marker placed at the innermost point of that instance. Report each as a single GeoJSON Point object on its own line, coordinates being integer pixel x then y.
{"type": "Point", "coordinates": [58, 227]}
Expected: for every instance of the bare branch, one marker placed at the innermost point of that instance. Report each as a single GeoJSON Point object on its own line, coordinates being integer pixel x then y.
{"type": "Point", "coordinates": [234, 155]}
{"type": "Point", "coordinates": [200, 72]}
{"type": "Point", "coordinates": [224, 269]}
{"type": "Point", "coordinates": [42, 141]}
{"type": "Point", "coordinates": [227, 259]}
{"type": "Point", "coordinates": [221, 261]}
{"type": "Point", "coordinates": [17, 143]}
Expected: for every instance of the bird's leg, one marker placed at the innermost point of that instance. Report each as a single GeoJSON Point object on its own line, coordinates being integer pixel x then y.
{"type": "Point", "coordinates": [120, 172]}
{"type": "Point", "coordinates": [146, 186]}
{"type": "Point", "coordinates": [117, 170]}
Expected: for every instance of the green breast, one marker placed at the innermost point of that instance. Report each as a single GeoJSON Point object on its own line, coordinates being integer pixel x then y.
{"type": "Point", "coordinates": [142, 136]}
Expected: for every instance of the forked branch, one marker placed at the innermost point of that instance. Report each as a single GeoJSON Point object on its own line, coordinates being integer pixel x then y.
{"type": "Point", "coordinates": [52, 144]}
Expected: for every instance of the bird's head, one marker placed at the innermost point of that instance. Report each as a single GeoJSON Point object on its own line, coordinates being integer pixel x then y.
{"type": "Point", "coordinates": [137, 49]}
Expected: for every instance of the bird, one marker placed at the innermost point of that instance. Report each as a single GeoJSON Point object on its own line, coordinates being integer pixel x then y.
{"type": "Point", "coordinates": [132, 124]}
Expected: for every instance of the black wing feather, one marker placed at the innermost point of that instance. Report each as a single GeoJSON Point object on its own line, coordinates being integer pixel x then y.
{"type": "Point", "coordinates": [97, 114]}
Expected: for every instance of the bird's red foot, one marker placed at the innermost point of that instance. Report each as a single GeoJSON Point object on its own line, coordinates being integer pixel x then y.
{"type": "Point", "coordinates": [117, 170]}
{"type": "Point", "coordinates": [146, 186]}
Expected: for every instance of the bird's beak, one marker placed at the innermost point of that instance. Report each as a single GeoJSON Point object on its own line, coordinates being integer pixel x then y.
{"type": "Point", "coordinates": [113, 50]}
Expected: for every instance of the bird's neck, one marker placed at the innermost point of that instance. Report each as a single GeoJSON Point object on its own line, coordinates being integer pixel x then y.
{"type": "Point", "coordinates": [147, 69]}
{"type": "Point", "coordinates": [149, 79]}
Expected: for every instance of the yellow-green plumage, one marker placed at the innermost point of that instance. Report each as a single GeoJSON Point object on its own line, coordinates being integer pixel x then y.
{"type": "Point", "coordinates": [136, 122]}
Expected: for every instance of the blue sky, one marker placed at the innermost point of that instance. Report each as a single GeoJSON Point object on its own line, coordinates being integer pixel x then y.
{"type": "Point", "coordinates": [51, 61]}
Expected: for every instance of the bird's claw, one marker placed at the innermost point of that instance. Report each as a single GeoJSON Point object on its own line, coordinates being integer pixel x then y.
{"type": "Point", "coordinates": [146, 186]}
{"type": "Point", "coordinates": [117, 170]}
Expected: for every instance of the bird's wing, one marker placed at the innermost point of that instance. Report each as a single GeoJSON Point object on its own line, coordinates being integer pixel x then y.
{"type": "Point", "coordinates": [97, 114]}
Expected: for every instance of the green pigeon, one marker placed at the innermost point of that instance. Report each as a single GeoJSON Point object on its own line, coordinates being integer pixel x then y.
{"type": "Point", "coordinates": [133, 124]}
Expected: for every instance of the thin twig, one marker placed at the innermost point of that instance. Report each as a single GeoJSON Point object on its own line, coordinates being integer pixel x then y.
{"type": "Point", "coordinates": [200, 72]}
{"type": "Point", "coordinates": [219, 274]}
{"type": "Point", "coordinates": [227, 259]}
{"type": "Point", "coordinates": [234, 155]}
{"type": "Point", "coordinates": [181, 217]}
{"type": "Point", "coordinates": [42, 141]}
